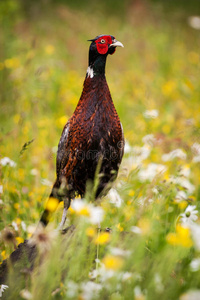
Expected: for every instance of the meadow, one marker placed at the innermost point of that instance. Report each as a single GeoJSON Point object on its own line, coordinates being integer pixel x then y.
{"type": "Point", "coordinates": [153, 208]}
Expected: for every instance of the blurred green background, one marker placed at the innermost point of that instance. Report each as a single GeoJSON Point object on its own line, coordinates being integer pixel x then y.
{"type": "Point", "coordinates": [43, 61]}
{"type": "Point", "coordinates": [154, 83]}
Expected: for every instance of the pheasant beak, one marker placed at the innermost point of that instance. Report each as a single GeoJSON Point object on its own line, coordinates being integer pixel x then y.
{"type": "Point", "coordinates": [116, 44]}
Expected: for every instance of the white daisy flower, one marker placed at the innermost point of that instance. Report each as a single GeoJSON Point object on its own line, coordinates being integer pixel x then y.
{"type": "Point", "coordinates": [195, 265]}
{"type": "Point", "coordinates": [158, 283]}
{"type": "Point", "coordinates": [119, 252]}
{"type": "Point", "coordinates": [127, 147]}
{"type": "Point", "coordinates": [190, 295]}
{"type": "Point", "coordinates": [194, 22]}
{"type": "Point", "coordinates": [115, 198]}
{"type": "Point", "coordinates": [196, 151]}
{"type": "Point", "coordinates": [155, 191]}
{"type": "Point", "coordinates": [151, 171]}
{"type": "Point", "coordinates": [149, 139]}
{"type": "Point", "coordinates": [90, 290]}
{"type": "Point", "coordinates": [6, 161]}
{"type": "Point", "coordinates": [180, 196]}
{"type": "Point", "coordinates": [196, 159]}
{"type": "Point", "coordinates": [136, 230]}
{"type": "Point", "coordinates": [185, 171]}
{"type": "Point", "coordinates": [93, 274]}
{"type": "Point", "coordinates": [126, 276]}
{"type": "Point", "coordinates": [138, 292]}
{"type": "Point", "coordinates": [190, 215]}
{"type": "Point", "coordinates": [34, 172]}
{"type": "Point", "coordinates": [23, 224]}
{"type": "Point", "coordinates": [151, 114]}
{"type": "Point", "coordinates": [72, 289]}
{"type": "Point", "coordinates": [184, 182]}
{"type": "Point", "coordinates": [3, 287]}
{"type": "Point", "coordinates": [1, 189]}
{"type": "Point", "coordinates": [94, 214]}
{"type": "Point", "coordinates": [46, 182]}
{"type": "Point", "coordinates": [177, 153]}
{"type": "Point", "coordinates": [195, 231]}
{"type": "Point", "coordinates": [78, 205]}
{"type": "Point", "coordinates": [14, 225]}
{"type": "Point", "coordinates": [138, 154]}
{"type": "Point", "coordinates": [31, 229]}
{"type": "Point", "coordinates": [25, 294]}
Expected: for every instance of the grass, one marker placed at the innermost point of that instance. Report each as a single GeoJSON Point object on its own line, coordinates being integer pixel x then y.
{"type": "Point", "coordinates": [152, 251]}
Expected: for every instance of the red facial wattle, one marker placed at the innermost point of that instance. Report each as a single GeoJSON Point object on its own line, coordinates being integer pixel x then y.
{"type": "Point", "coordinates": [102, 48]}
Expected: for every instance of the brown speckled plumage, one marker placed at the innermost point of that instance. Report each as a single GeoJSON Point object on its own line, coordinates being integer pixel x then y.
{"type": "Point", "coordinates": [93, 133]}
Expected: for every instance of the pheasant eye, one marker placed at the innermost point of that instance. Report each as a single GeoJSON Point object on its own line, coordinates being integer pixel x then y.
{"type": "Point", "coordinates": [103, 41]}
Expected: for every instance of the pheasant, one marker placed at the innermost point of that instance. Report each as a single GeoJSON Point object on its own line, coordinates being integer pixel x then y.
{"type": "Point", "coordinates": [92, 138]}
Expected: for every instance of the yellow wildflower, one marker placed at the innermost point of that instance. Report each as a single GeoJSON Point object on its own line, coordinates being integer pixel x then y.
{"type": "Point", "coordinates": [12, 63]}
{"type": "Point", "coordinates": [168, 87]}
{"type": "Point", "coordinates": [189, 84]}
{"type": "Point", "coordinates": [16, 205]}
{"type": "Point", "coordinates": [35, 215]}
{"type": "Point", "coordinates": [166, 128]}
{"type": "Point", "coordinates": [166, 176]}
{"type": "Point", "coordinates": [49, 49]}
{"type": "Point", "coordinates": [18, 221]}
{"type": "Point", "coordinates": [16, 118]}
{"type": "Point", "coordinates": [131, 193]}
{"type": "Point", "coordinates": [25, 129]}
{"type": "Point", "coordinates": [26, 204]}
{"type": "Point", "coordinates": [90, 231]}
{"type": "Point", "coordinates": [4, 255]}
{"type": "Point", "coordinates": [102, 238]}
{"type": "Point", "coordinates": [180, 238]}
{"type": "Point", "coordinates": [84, 211]}
{"type": "Point", "coordinates": [183, 204]}
{"type": "Point", "coordinates": [129, 212]}
{"type": "Point", "coordinates": [21, 174]}
{"type": "Point", "coordinates": [60, 122]}
{"type": "Point", "coordinates": [192, 198]}
{"type": "Point", "coordinates": [52, 204]}
{"type": "Point", "coordinates": [19, 240]}
{"type": "Point", "coordinates": [113, 262]}
{"type": "Point", "coordinates": [119, 227]}
{"type": "Point", "coordinates": [144, 225]}
{"type": "Point", "coordinates": [71, 210]}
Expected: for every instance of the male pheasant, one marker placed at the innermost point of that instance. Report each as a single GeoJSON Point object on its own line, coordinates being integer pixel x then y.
{"type": "Point", "coordinates": [92, 137]}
